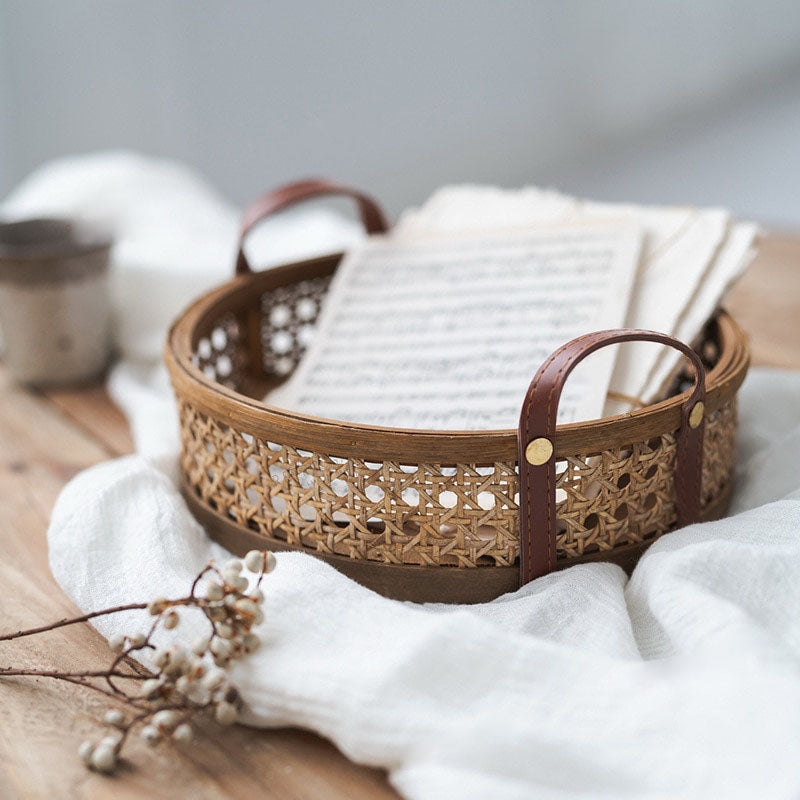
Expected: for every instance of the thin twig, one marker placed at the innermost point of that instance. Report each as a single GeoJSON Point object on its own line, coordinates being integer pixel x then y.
{"type": "Point", "coordinates": [175, 686]}
{"type": "Point", "coordinates": [61, 623]}
{"type": "Point", "coordinates": [120, 658]}
{"type": "Point", "coordinates": [49, 673]}
{"type": "Point", "coordinates": [76, 680]}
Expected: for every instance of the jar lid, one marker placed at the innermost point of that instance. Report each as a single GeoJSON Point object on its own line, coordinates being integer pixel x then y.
{"type": "Point", "coordinates": [46, 250]}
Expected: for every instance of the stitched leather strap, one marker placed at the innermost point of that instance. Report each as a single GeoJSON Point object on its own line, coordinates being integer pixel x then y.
{"type": "Point", "coordinates": [537, 493]}
{"type": "Point", "coordinates": [270, 203]}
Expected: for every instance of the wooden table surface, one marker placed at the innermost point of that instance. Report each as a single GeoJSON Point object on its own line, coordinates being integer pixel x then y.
{"type": "Point", "coordinates": [45, 439]}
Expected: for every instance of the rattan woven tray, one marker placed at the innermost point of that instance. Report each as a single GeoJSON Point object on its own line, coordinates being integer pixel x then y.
{"type": "Point", "coordinates": [419, 515]}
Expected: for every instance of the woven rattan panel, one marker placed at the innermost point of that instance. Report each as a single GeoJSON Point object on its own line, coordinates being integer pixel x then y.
{"type": "Point", "coordinates": [219, 354]}
{"type": "Point", "coordinates": [428, 514]}
{"type": "Point", "coordinates": [288, 315]}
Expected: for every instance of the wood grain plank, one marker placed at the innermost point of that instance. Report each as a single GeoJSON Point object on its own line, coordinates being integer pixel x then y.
{"type": "Point", "coordinates": [92, 410]}
{"type": "Point", "coordinates": [766, 302]}
{"type": "Point", "coordinates": [42, 722]}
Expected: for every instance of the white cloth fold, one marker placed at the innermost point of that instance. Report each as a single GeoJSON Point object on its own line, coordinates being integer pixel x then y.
{"type": "Point", "coordinates": [683, 681]}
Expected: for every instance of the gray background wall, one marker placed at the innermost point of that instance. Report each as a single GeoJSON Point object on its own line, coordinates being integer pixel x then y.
{"type": "Point", "coordinates": [681, 101]}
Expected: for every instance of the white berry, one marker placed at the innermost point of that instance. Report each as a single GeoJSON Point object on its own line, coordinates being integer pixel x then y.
{"type": "Point", "coordinates": [213, 679]}
{"type": "Point", "coordinates": [254, 560]}
{"type": "Point", "coordinates": [104, 759]}
{"type": "Point", "coordinates": [226, 713]}
{"type": "Point", "coordinates": [155, 607]}
{"type": "Point", "coordinates": [214, 591]}
{"type": "Point", "coordinates": [220, 647]}
{"type": "Point", "coordinates": [225, 631]}
{"type": "Point", "coordinates": [246, 608]}
{"type": "Point", "coordinates": [183, 733]}
{"type": "Point", "coordinates": [151, 687]}
{"type": "Point", "coordinates": [165, 720]}
{"type": "Point", "coordinates": [150, 734]}
{"type": "Point", "coordinates": [85, 752]}
{"type": "Point", "coordinates": [111, 741]}
{"type": "Point", "coordinates": [115, 717]}
{"type": "Point", "coordinates": [233, 566]}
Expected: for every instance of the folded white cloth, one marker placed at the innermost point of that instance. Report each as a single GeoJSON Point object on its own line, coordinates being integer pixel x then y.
{"type": "Point", "coordinates": [683, 681]}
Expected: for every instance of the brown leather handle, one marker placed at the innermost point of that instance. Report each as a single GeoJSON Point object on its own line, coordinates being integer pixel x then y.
{"type": "Point", "coordinates": [537, 429]}
{"type": "Point", "coordinates": [278, 199]}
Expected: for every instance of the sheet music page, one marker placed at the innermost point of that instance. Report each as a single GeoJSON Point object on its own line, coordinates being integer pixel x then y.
{"type": "Point", "coordinates": [680, 250]}
{"type": "Point", "coordinates": [674, 263]}
{"type": "Point", "coordinates": [447, 334]}
{"type": "Point", "coordinates": [731, 261]}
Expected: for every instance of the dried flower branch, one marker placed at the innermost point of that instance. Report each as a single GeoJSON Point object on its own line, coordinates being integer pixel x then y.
{"type": "Point", "coordinates": [184, 683]}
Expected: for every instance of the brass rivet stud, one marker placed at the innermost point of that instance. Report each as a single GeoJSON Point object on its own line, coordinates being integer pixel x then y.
{"type": "Point", "coordinates": [538, 451]}
{"type": "Point", "coordinates": [696, 414]}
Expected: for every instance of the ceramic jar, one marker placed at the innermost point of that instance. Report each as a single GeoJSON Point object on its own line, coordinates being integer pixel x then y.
{"type": "Point", "coordinates": [54, 304]}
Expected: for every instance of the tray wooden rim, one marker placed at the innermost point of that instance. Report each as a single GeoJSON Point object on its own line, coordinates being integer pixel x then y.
{"type": "Point", "coordinates": [375, 443]}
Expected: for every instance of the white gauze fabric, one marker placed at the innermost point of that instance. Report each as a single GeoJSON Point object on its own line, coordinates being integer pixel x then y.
{"type": "Point", "coordinates": [683, 681]}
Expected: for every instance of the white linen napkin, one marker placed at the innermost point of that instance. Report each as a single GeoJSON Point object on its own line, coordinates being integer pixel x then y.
{"type": "Point", "coordinates": [683, 681]}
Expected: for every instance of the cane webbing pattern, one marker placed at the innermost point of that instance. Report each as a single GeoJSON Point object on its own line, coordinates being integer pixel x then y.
{"type": "Point", "coordinates": [220, 355]}
{"type": "Point", "coordinates": [428, 514]}
{"type": "Point", "coordinates": [288, 315]}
